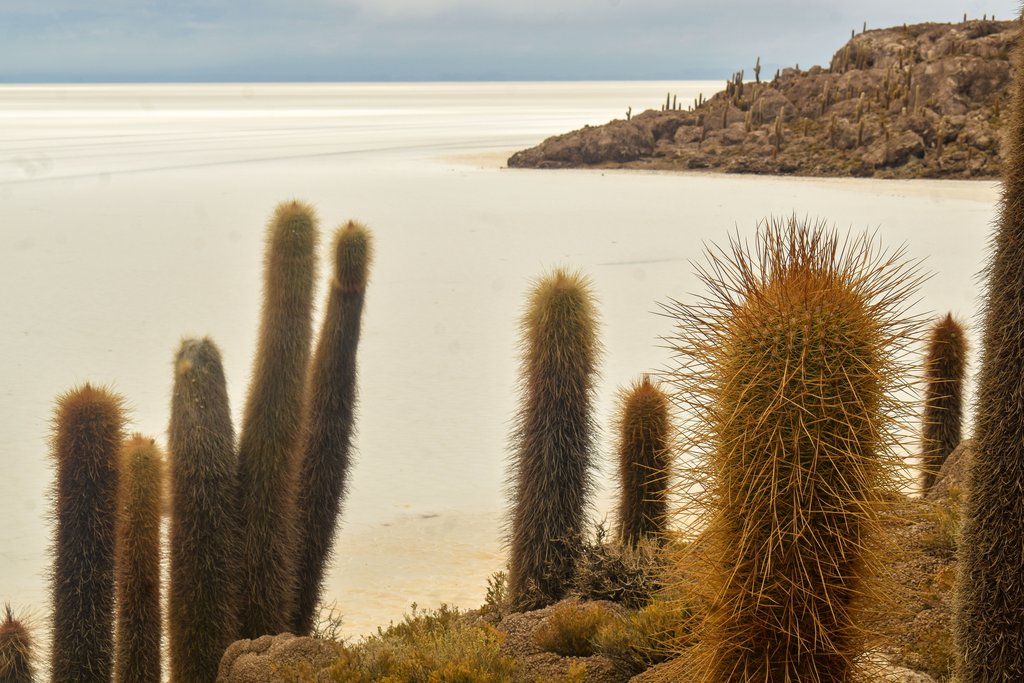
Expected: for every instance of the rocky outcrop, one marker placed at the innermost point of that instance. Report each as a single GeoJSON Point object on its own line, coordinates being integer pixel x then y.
{"type": "Point", "coordinates": [273, 658]}
{"type": "Point", "coordinates": [926, 100]}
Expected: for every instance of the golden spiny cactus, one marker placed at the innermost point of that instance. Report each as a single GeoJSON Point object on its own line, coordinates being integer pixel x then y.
{"type": "Point", "coordinates": [786, 367]}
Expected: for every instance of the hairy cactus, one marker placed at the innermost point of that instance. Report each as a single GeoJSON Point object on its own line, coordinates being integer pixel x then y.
{"type": "Point", "coordinates": [946, 360]}
{"type": "Point", "coordinates": [86, 442]}
{"type": "Point", "coordinates": [330, 411]}
{"type": "Point", "coordinates": [552, 469]}
{"type": "Point", "coordinates": [644, 461]}
{"type": "Point", "coordinates": [785, 367]}
{"type": "Point", "coordinates": [137, 656]}
{"type": "Point", "coordinates": [16, 656]}
{"type": "Point", "coordinates": [271, 425]}
{"type": "Point", "coordinates": [202, 607]}
{"type": "Point", "coordinates": [989, 620]}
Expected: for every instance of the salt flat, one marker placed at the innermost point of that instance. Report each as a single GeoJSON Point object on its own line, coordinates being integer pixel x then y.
{"type": "Point", "coordinates": [131, 216]}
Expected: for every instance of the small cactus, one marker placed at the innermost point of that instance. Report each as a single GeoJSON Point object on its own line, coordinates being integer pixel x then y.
{"type": "Point", "coordinates": [203, 604]}
{"type": "Point", "coordinates": [645, 457]}
{"type": "Point", "coordinates": [137, 655]}
{"type": "Point", "coordinates": [16, 650]}
{"type": "Point", "coordinates": [943, 406]}
{"type": "Point", "coordinates": [86, 443]}
{"type": "Point", "coordinates": [269, 438]}
{"type": "Point", "coordinates": [553, 451]}
{"type": "Point", "coordinates": [330, 409]}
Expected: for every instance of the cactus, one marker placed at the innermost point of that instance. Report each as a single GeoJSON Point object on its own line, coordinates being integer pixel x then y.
{"type": "Point", "coordinates": [943, 406]}
{"type": "Point", "coordinates": [137, 654]}
{"type": "Point", "coordinates": [989, 620]}
{"type": "Point", "coordinates": [785, 367]}
{"type": "Point", "coordinates": [330, 408]}
{"type": "Point", "coordinates": [16, 656]}
{"type": "Point", "coordinates": [553, 440]}
{"type": "Point", "coordinates": [86, 442]}
{"type": "Point", "coordinates": [644, 461]}
{"type": "Point", "coordinates": [202, 606]}
{"type": "Point", "coordinates": [271, 424]}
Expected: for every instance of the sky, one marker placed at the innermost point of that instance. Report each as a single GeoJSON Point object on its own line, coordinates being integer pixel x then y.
{"type": "Point", "coordinates": [70, 41]}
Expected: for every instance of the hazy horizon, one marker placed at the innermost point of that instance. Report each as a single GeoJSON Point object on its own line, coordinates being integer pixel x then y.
{"type": "Point", "coordinates": [59, 41]}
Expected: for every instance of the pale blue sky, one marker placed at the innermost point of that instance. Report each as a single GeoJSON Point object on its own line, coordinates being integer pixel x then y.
{"type": "Point", "coordinates": [328, 40]}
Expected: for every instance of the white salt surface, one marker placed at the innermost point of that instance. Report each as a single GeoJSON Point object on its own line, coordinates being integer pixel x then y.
{"type": "Point", "coordinates": [131, 216]}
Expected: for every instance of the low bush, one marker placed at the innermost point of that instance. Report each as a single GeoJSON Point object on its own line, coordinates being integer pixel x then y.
{"type": "Point", "coordinates": [638, 640]}
{"type": "Point", "coordinates": [430, 646]}
{"type": "Point", "coordinates": [570, 628]}
{"type": "Point", "coordinates": [629, 576]}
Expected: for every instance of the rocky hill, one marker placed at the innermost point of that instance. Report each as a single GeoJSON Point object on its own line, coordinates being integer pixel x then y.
{"type": "Point", "coordinates": [918, 101]}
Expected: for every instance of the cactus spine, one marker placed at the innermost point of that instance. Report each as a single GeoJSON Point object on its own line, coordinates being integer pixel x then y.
{"type": "Point", "coordinates": [203, 617]}
{"type": "Point", "coordinates": [644, 461]}
{"type": "Point", "coordinates": [946, 359]}
{"type": "Point", "coordinates": [330, 410]}
{"type": "Point", "coordinates": [137, 656]}
{"type": "Point", "coordinates": [785, 366]}
{"type": "Point", "coordinates": [86, 442]}
{"type": "Point", "coordinates": [271, 424]}
{"type": "Point", "coordinates": [989, 621]}
{"type": "Point", "coordinates": [552, 468]}
{"type": "Point", "coordinates": [16, 658]}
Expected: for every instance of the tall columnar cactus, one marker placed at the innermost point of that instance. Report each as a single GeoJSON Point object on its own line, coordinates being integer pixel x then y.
{"type": "Point", "coordinates": [946, 359]}
{"type": "Point", "coordinates": [644, 460]}
{"type": "Point", "coordinates": [16, 655]}
{"type": "Point", "coordinates": [139, 622]}
{"type": "Point", "coordinates": [785, 369]}
{"type": "Point", "coordinates": [330, 411]}
{"type": "Point", "coordinates": [86, 443]}
{"type": "Point", "coordinates": [553, 462]}
{"type": "Point", "coordinates": [271, 424]}
{"type": "Point", "coordinates": [202, 606]}
{"type": "Point", "coordinates": [989, 621]}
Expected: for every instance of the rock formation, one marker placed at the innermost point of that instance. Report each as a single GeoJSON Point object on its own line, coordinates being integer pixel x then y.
{"type": "Point", "coordinates": [918, 101]}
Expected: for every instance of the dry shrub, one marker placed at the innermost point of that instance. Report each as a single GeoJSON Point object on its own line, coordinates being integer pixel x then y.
{"type": "Point", "coordinates": [946, 515]}
{"type": "Point", "coordinates": [431, 646]}
{"type": "Point", "coordinates": [638, 640]}
{"type": "Point", "coordinates": [571, 627]}
{"type": "Point", "coordinates": [627, 575]}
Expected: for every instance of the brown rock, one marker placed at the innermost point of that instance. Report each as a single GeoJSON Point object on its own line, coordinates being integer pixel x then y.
{"type": "Point", "coordinates": [953, 475]}
{"type": "Point", "coordinates": [261, 660]}
{"type": "Point", "coordinates": [896, 150]}
{"type": "Point", "coordinates": [618, 141]}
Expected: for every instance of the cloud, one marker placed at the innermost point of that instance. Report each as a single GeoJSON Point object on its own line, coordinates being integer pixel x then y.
{"type": "Point", "coordinates": [435, 39]}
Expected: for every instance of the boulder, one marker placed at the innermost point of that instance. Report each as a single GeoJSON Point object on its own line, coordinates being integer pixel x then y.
{"type": "Point", "coordinates": [953, 474]}
{"type": "Point", "coordinates": [263, 659]}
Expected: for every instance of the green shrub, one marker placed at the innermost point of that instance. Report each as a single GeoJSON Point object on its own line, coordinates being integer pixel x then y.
{"type": "Point", "coordinates": [571, 627]}
{"type": "Point", "coordinates": [497, 602]}
{"type": "Point", "coordinates": [638, 640]}
{"type": "Point", "coordinates": [438, 646]}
